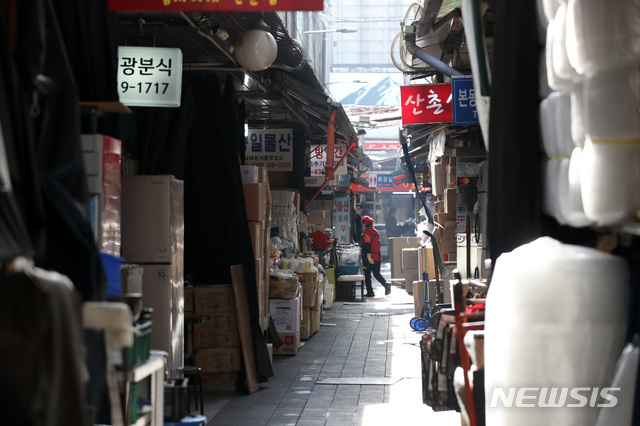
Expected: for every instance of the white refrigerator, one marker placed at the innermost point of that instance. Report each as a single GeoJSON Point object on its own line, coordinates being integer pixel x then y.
{"type": "Point", "coordinates": [152, 226]}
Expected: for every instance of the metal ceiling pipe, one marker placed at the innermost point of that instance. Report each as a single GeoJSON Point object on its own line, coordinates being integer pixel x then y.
{"type": "Point", "coordinates": [410, 44]}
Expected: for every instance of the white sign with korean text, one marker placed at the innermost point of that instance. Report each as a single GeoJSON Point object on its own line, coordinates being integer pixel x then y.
{"type": "Point", "coordinates": [270, 148]}
{"type": "Point", "coordinates": [318, 159]}
{"type": "Point", "coordinates": [149, 76]}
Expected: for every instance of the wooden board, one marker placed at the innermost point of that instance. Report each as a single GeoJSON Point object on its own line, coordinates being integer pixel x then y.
{"type": "Point", "coordinates": [244, 324]}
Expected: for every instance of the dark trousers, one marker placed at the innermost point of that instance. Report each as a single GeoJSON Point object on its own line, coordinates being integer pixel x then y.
{"type": "Point", "coordinates": [374, 268]}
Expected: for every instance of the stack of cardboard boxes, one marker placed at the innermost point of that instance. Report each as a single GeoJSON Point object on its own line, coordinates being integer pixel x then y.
{"type": "Point", "coordinates": [312, 296]}
{"type": "Point", "coordinates": [215, 341]}
{"type": "Point", "coordinates": [444, 186]}
{"type": "Point", "coordinates": [257, 195]}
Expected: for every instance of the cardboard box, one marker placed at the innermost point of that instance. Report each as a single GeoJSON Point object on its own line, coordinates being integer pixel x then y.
{"type": "Point", "coordinates": [213, 299]}
{"type": "Point", "coordinates": [189, 306]}
{"type": "Point", "coordinates": [319, 298]}
{"type": "Point", "coordinates": [291, 343]}
{"type": "Point", "coordinates": [439, 206]}
{"type": "Point", "coordinates": [215, 339]}
{"type": "Point", "coordinates": [419, 290]}
{"type": "Point", "coordinates": [255, 198]}
{"type": "Point", "coordinates": [259, 267]}
{"type": "Point", "coordinates": [131, 275]}
{"type": "Point", "coordinates": [256, 230]}
{"type": "Point", "coordinates": [219, 360]}
{"type": "Point", "coordinates": [309, 282]}
{"type": "Point", "coordinates": [315, 321]}
{"type": "Point", "coordinates": [220, 382]}
{"type": "Point", "coordinates": [284, 287]}
{"type": "Point", "coordinates": [409, 258]}
{"type": "Point", "coordinates": [305, 324]}
{"type": "Point", "coordinates": [450, 230]}
{"type": "Point", "coordinates": [286, 314]}
{"type": "Point", "coordinates": [225, 321]}
{"type": "Point", "coordinates": [451, 175]}
{"type": "Point", "coordinates": [249, 174]}
{"type": "Point", "coordinates": [442, 218]}
{"type": "Point", "coordinates": [397, 244]}
{"type": "Point", "coordinates": [426, 262]}
{"type": "Point", "coordinates": [450, 200]}
{"type": "Point", "coordinates": [410, 275]}
{"type": "Point", "coordinates": [438, 178]}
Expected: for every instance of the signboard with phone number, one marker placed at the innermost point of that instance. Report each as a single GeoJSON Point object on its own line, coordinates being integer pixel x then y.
{"type": "Point", "coordinates": [318, 159]}
{"type": "Point", "coordinates": [270, 148]}
{"type": "Point", "coordinates": [149, 76]}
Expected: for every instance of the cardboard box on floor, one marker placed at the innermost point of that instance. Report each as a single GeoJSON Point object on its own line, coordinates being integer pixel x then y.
{"type": "Point", "coordinates": [290, 345]}
{"type": "Point", "coordinates": [396, 245]}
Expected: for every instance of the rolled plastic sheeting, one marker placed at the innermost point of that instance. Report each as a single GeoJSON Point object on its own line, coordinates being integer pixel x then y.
{"type": "Point", "coordinates": [576, 215]}
{"type": "Point", "coordinates": [555, 318]}
{"type": "Point", "coordinates": [621, 413]}
{"type": "Point", "coordinates": [609, 176]}
{"type": "Point", "coordinates": [602, 33]}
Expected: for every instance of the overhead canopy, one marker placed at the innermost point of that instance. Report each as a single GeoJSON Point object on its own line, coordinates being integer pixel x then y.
{"type": "Point", "coordinates": [288, 93]}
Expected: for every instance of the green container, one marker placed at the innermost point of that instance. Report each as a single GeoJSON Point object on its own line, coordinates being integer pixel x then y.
{"type": "Point", "coordinates": [133, 401]}
{"type": "Point", "coordinates": [141, 348]}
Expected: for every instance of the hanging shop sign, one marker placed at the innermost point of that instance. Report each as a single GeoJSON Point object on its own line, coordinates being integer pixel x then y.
{"type": "Point", "coordinates": [370, 146]}
{"type": "Point", "coordinates": [384, 181]}
{"type": "Point", "coordinates": [270, 148]}
{"type": "Point", "coordinates": [214, 5]}
{"type": "Point", "coordinates": [341, 219]}
{"type": "Point", "coordinates": [149, 76]}
{"type": "Point", "coordinates": [425, 104]}
{"type": "Point", "coordinates": [464, 100]}
{"type": "Point", "coordinates": [318, 159]}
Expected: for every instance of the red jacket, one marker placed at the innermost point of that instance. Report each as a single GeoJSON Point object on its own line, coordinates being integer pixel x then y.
{"type": "Point", "coordinates": [371, 243]}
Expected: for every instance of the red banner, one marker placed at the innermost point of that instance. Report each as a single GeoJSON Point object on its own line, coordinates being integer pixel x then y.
{"type": "Point", "coordinates": [381, 145]}
{"type": "Point", "coordinates": [214, 5]}
{"type": "Point", "coordinates": [423, 104]}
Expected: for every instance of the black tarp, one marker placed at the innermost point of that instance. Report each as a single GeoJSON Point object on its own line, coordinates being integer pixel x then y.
{"type": "Point", "coordinates": [201, 142]}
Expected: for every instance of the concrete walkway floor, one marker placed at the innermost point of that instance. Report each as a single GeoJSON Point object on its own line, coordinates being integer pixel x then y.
{"type": "Point", "coordinates": [361, 368]}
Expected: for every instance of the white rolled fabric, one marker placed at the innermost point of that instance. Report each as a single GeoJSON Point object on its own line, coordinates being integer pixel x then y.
{"type": "Point", "coordinates": [577, 218]}
{"type": "Point", "coordinates": [602, 33]}
{"type": "Point", "coordinates": [550, 189]}
{"type": "Point", "coordinates": [561, 64]}
{"type": "Point", "coordinates": [555, 318]}
{"type": "Point", "coordinates": [577, 113]}
{"type": "Point", "coordinates": [609, 176]}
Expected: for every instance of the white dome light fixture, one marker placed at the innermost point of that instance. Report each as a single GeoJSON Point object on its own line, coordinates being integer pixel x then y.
{"type": "Point", "coordinates": [256, 49]}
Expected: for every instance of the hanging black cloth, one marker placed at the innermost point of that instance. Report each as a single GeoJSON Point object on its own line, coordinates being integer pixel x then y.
{"type": "Point", "coordinates": [216, 231]}
{"type": "Point", "coordinates": [514, 205]}
{"type": "Point", "coordinates": [49, 90]}
{"type": "Point", "coordinates": [89, 32]}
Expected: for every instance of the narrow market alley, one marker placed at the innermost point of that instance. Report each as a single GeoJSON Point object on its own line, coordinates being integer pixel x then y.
{"type": "Point", "coordinates": [361, 368]}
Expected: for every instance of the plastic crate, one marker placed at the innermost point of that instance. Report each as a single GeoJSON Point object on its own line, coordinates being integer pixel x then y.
{"type": "Point", "coordinates": [139, 352]}
{"type": "Point", "coordinates": [348, 269]}
{"type": "Point", "coordinates": [175, 399]}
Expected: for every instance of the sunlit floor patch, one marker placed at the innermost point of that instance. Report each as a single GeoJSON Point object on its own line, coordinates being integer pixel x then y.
{"type": "Point", "coordinates": [359, 381]}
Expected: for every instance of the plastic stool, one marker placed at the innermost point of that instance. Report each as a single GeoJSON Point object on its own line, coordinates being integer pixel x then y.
{"type": "Point", "coordinates": [194, 374]}
{"type": "Point", "coordinates": [351, 282]}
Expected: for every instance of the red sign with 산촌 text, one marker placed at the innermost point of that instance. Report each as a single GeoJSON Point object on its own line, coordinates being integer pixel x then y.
{"type": "Point", "coordinates": [423, 104]}
{"type": "Point", "coordinates": [214, 5]}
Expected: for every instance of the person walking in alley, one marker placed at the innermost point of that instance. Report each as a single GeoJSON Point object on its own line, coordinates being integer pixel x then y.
{"type": "Point", "coordinates": [371, 257]}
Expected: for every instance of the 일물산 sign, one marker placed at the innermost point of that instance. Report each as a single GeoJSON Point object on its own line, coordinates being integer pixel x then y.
{"type": "Point", "coordinates": [149, 76]}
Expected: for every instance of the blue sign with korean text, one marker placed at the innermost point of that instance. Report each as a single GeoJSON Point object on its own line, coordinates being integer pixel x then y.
{"type": "Point", "coordinates": [385, 181]}
{"type": "Point", "coordinates": [464, 100]}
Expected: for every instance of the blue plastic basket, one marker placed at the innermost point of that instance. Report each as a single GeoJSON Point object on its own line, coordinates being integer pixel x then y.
{"type": "Point", "coordinates": [112, 265]}
{"type": "Point", "coordinates": [348, 269]}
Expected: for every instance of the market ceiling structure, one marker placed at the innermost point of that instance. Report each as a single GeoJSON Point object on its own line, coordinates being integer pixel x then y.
{"type": "Point", "coordinates": [286, 94]}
